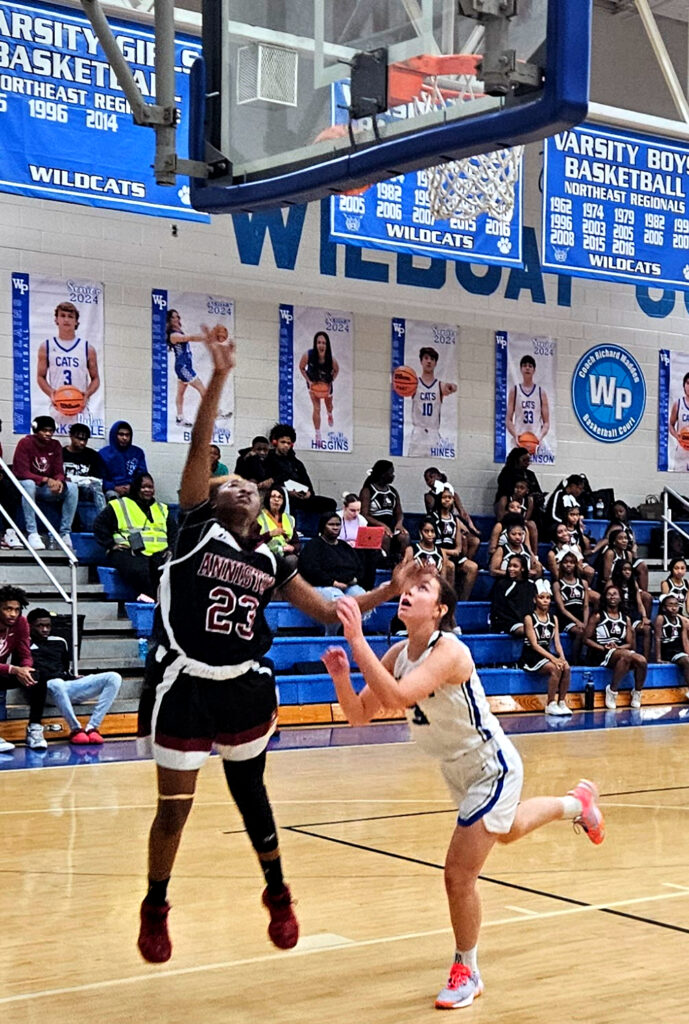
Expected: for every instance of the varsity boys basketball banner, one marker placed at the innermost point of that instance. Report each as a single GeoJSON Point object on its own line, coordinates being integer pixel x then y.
{"type": "Point", "coordinates": [57, 332]}
{"type": "Point", "coordinates": [316, 377]}
{"type": "Point", "coordinates": [67, 129]}
{"type": "Point", "coordinates": [673, 411]}
{"type": "Point", "coordinates": [525, 417]}
{"type": "Point", "coordinates": [423, 402]}
{"type": "Point", "coordinates": [182, 366]}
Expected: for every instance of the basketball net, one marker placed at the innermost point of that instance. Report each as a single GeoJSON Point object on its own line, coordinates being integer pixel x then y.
{"type": "Point", "coordinates": [482, 183]}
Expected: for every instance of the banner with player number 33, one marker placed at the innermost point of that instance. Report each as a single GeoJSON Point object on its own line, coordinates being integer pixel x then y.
{"type": "Point", "coordinates": [525, 408]}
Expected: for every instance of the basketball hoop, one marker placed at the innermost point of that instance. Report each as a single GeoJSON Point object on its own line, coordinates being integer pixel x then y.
{"type": "Point", "coordinates": [483, 183]}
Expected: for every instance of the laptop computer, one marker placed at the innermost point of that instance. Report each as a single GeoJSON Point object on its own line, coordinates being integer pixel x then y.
{"type": "Point", "coordinates": [370, 537]}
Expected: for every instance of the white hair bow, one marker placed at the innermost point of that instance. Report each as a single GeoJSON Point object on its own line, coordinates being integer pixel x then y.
{"type": "Point", "coordinates": [543, 587]}
{"type": "Point", "coordinates": [439, 487]}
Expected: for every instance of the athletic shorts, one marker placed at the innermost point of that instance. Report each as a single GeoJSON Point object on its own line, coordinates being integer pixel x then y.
{"type": "Point", "coordinates": [600, 658]}
{"type": "Point", "coordinates": [486, 784]}
{"type": "Point", "coordinates": [532, 661]}
{"type": "Point", "coordinates": [672, 652]}
{"type": "Point", "coordinates": [185, 371]}
{"type": "Point", "coordinates": [183, 718]}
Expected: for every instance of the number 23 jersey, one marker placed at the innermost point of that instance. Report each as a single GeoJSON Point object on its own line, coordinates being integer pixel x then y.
{"type": "Point", "coordinates": [213, 596]}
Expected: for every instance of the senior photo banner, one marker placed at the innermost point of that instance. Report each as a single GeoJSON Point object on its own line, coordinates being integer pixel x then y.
{"type": "Point", "coordinates": [316, 377]}
{"type": "Point", "coordinates": [525, 416]}
{"type": "Point", "coordinates": [182, 366]}
{"type": "Point", "coordinates": [673, 411]}
{"type": "Point", "coordinates": [57, 331]}
{"type": "Point", "coordinates": [423, 402]}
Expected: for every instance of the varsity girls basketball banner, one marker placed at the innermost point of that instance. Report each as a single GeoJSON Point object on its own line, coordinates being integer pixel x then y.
{"type": "Point", "coordinates": [316, 377]}
{"type": "Point", "coordinates": [57, 332]}
{"type": "Point", "coordinates": [182, 365]}
{"type": "Point", "coordinates": [525, 417]}
{"type": "Point", "coordinates": [423, 403]}
{"type": "Point", "coordinates": [67, 129]}
{"type": "Point", "coordinates": [673, 411]}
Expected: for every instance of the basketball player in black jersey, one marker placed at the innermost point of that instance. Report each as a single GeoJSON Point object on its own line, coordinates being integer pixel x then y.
{"type": "Point", "coordinates": [208, 684]}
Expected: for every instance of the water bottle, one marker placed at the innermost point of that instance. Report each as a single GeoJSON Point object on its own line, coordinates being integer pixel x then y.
{"type": "Point", "coordinates": [143, 648]}
{"type": "Point", "coordinates": [600, 509]}
{"type": "Point", "coordinates": [589, 692]}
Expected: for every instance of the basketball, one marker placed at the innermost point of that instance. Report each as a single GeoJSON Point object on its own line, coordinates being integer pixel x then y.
{"type": "Point", "coordinates": [319, 389]}
{"type": "Point", "coordinates": [404, 381]}
{"type": "Point", "coordinates": [684, 438]}
{"type": "Point", "coordinates": [528, 441]}
{"type": "Point", "coordinates": [68, 400]}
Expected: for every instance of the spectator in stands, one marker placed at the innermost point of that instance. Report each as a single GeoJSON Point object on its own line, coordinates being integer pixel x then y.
{"type": "Point", "coordinates": [672, 636]}
{"type": "Point", "coordinates": [434, 481]}
{"type": "Point", "coordinates": [571, 595]}
{"type": "Point", "coordinates": [514, 545]}
{"type": "Point", "coordinates": [498, 535]}
{"type": "Point", "coordinates": [381, 506]}
{"type": "Point", "coordinates": [461, 570]}
{"type": "Point", "coordinates": [676, 584]}
{"type": "Point", "coordinates": [16, 665]}
{"type": "Point", "coordinates": [38, 464]}
{"type": "Point", "coordinates": [564, 496]}
{"type": "Point", "coordinates": [564, 543]}
{"type": "Point", "coordinates": [136, 531]}
{"type": "Point", "coordinates": [9, 499]}
{"type": "Point", "coordinates": [218, 470]}
{"type": "Point", "coordinates": [276, 522]}
{"type": "Point", "coordinates": [122, 461]}
{"type": "Point", "coordinates": [516, 468]}
{"type": "Point", "coordinates": [52, 664]}
{"type": "Point", "coordinates": [351, 518]}
{"type": "Point", "coordinates": [330, 565]}
{"type": "Point", "coordinates": [285, 469]}
{"type": "Point", "coordinates": [521, 498]}
{"type": "Point", "coordinates": [618, 551]}
{"type": "Point", "coordinates": [512, 598]}
{"type": "Point", "coordinates": [632, 604]}
{"type": "Point", "coordinates": [426, 550]}
{"type": "Point", "coordinates": [610, 641]}
{"type": "Point", "coordinates": [575, 524]}
{"type": "Point", "coordinates": [251, 463]}
{"type": "Point", "coordinates": [83, 466]}
{"type": "Point", "coordinates": [542, 651]}
{"type": "Point", "coordinates": [620, 518]}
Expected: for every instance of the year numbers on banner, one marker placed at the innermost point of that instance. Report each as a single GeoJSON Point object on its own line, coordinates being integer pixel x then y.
{"type": "Point", "coordinates": [46, 110]}
{"type": "Point", "coordinates": [101, 120]}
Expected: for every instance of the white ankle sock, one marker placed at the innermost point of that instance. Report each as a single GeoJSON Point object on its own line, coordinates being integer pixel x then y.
{"type": "Point", "coordinates": [468, 957]}
{"type": "Point", "coordinates": [571, 807]}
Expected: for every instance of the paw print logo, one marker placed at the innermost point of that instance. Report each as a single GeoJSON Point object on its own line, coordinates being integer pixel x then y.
{"type": "Point", "coordinates": [685, 271]}
{"type": "Point", "coordinates": [505, 246]}
{"type": "Point", "coordinates": [184, 195]}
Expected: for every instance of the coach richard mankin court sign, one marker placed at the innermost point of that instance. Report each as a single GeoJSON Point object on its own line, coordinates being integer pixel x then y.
{"type": "Point", "coordinates": [608, 393]}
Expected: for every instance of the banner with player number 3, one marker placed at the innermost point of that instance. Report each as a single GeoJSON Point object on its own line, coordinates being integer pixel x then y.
{"type": "Point", "coordinates": [525, 376]}
{"type": "Point", "coordinates": [57, 331]}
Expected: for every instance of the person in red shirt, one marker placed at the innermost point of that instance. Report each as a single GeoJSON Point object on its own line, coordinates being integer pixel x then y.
{"type": "Point", "coordinates": [38, 464]}
{"type": "Point", "coordinates": [16, 664]}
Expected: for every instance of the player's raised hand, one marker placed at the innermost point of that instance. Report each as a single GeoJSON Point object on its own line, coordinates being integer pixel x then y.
{"type": "Point", "coordinates": [407, 574]}
{"type": "Point", "coordinates": [336, 661]}
{"type": "Point", "coordinates": [350, 617]}
{"type": "Point", "coordinates": [221, 347]}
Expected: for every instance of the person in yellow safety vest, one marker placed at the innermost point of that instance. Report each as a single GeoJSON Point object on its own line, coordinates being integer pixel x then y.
{"type": "Point", "coordinates": [137, 533]}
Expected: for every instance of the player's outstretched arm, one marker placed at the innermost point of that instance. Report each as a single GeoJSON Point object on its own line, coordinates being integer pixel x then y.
{"type": "Point", "coordinates": [194, 486]}
{"type": "Point", "coordinates": [308, 600]}
{"type": "Point", "coordinates": [358, 708]}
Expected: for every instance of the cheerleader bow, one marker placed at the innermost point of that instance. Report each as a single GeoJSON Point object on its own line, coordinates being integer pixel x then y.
{"type": "Point", "coordinates": [543, 587]}
{"type": "Point", "coordinates": [439, 487]}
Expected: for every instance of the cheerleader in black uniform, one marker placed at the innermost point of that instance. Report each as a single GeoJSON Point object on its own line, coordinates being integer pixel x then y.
{"type": "Point", "coordinates": [515, 545]}
{"type": "Point", "coordinates": [425, 550]}
{"type": "Point", "coordinates": [632, 605]}
{"type": "Point", "coordinates": [571, 594]}
{"type": "Point", "coordinates": [541, 639]}
{"type": "Point", "coordinates": [609, 638]}
{"type": "Point", "coordinates": [676, 584]}
{"type": "Point", "coordinates": [452, 543]}
{"type": "Point", "coordinates": [672, 636]}
{"type": "Point", "coordinates": [512, 598]}
{"type": "Point", "coordinates": [618, 551]}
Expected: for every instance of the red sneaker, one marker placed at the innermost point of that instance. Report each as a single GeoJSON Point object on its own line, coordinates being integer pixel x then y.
{"type": "Point", "coordinates": [591, 818]}
{"type": "Point", "coordinates": [94, 736]}
{"type": "Point", "coordinates": [79, 737]}
{"type": "Point", "coordinates": [283, 929]}
{"type": "Point", "coordinates": [154, 942]}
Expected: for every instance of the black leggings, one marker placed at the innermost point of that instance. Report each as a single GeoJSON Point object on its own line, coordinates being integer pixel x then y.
{"type": "Point", "coordinates": [245, 779]}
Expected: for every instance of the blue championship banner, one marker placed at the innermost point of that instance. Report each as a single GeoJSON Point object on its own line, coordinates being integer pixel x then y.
{"type": "Point", "coordinates": [673, 411]}
{"type": "Point", "coordinates": [67, 129]}
{"type": "Point", "coordinates": [615, 207]}
{"type": "Point", "coordinates": [396, 215]}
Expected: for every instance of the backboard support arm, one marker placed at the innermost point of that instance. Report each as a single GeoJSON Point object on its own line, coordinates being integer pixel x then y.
{"type": "Point", "coordinates": [160, 115]}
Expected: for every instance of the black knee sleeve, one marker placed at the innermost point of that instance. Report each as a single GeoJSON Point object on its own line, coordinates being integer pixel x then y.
{"type": "Point", "coordinates": [245, 779]}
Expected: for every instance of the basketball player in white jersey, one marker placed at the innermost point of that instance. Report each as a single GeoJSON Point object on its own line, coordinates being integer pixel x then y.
{"type": "Point", "coordinates": [528, 411]}
{"type": "Point", "coordinates": [679, 421]}
{"type": "Point", "coordinates": [67, 361]}
{"type": "Point", "coordinates": [426, 405]}
{"type": "Point", "coordinates": [431, 676]}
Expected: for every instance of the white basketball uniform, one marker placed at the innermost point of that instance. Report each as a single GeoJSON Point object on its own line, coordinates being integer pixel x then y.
{"type": "Point", "coordinates": [425, 418]}
{"type": "Point", "coordinates": [528, 416]}
{"type": "Point", "coordinates": [67, 366]}
{"type": "Point", "coordinates": [679, 460]}
{"type": "Point", "coordinates": [455, 726]}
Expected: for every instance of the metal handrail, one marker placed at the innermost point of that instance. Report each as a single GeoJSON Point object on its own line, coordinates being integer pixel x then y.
{"type": "Point", "coordinates": [668, 522]}
{"type": "Point", "coordinates": [71, 556]}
